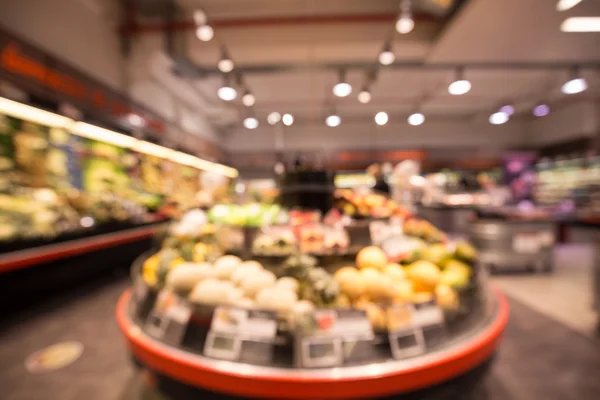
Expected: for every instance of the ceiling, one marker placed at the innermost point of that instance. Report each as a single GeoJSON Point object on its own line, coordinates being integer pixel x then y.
{"type": "Point", "coordinates": [289, 52]}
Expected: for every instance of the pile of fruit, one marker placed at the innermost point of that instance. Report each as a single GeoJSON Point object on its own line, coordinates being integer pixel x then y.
{"type": "Point", "coordinates": [375, 283]}
{"type": "Point", "coordinates": [423, 230]}
{"type": "Point", "coordinates": [367, 205]}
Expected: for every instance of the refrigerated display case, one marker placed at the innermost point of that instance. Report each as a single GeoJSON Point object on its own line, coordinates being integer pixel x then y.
{"type": "Point", "coordinates": [311, 329]}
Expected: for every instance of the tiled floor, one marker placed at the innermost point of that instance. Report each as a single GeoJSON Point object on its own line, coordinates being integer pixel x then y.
{"type": "Point", "coordinates": [566, 295]}
{"type": "Point", "coordinates": [539, 358]}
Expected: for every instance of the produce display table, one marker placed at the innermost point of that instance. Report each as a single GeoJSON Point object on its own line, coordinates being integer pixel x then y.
{"type": "Point", "coordinates": [182, 374]}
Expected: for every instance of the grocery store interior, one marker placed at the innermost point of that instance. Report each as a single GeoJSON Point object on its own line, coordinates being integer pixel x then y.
{"type": "Point", "coordinates": [300, 199]}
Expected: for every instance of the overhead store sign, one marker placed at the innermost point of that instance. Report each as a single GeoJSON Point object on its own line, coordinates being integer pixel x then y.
{"type": "Point", "coordinates": [38, 73]}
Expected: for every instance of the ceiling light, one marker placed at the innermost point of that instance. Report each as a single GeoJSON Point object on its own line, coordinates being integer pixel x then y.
{"type": "Point", "coordinates": [135, 120]}
{"type": "Point", "coordinates": [405, 22]}
{"type": "Point", "coordinates": [576, 84]}
{"type": "Point", "coordinates": [333, 120]}
{"type": "Point", "coordinates": [248, 99]}
{"type": "Point", "coordinates": [581, 24]}
{"type": "Point", "coordinates": [274, 118]}
{"type": "Point", "coordinates": [225, 65]}
{"type": "Point", "coordinates": [460, 85]}
{"type": "Point", "coordinates": [227, 93]}
{"type": "Point", "coordinates": [251, 123]}
{"type": "Point", "coordinates": [200, 17]}
{"type": "Point", "coordinates": [508, 109]}
{"type": "Point", "coordinates": [387, 57]}
{"type": "Point", "coordinates": [541, 110]}
{"type": "Point", "coordinates": [22, 111]}
{"type": "Point", "coordinates": [564, 5]}
{"type": "Point", "coordinates": [342, 88]}
{"type": "Point", "coordinates": [287, 119]}
{"type": "Point", "coordinates": [381, 118]}
{"type": "Point", "coordinates": [498, 118]}
{"type": "Point", "coordinates": [364, 96]}
{"type": "Point", "coordinates": [205, 33]}
{"type": "Point", "coordinates": [416, 119]}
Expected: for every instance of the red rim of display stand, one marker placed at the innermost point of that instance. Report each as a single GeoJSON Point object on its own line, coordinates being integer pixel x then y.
{"type": "Point", "coordinates": [378, 379]}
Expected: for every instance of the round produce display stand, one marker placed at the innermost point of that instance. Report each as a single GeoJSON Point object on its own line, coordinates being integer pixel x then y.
{"type": "Point", "coordinates": [366, 381]}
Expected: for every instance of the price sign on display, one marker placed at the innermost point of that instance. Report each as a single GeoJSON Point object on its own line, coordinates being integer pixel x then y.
{"type": "Point", "coordinates": [326, 338]}
{"type": "Point", "coordinates": [406, 338]}
{"type": "Point", "coordinates": [429, 317]}
{"type": "Point", "coordinates": [169, 318]}
{"type": "Point", "coordinates": [240, 334]}
{"type": "Point", "coordinates": [142, 299]}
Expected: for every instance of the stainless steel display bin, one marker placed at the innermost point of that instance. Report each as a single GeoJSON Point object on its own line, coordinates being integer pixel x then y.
{"type": "Point", "coordinates": [453, 220]}
{"type": "Point", "coordinates": [511, 244]}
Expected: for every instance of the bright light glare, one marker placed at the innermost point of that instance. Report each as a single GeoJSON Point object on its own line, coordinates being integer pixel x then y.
{"type": "Point", "coordinates": [274, 118]}
{"type": "Point", "coordinates": [248, 99]}
{"type": "Point", "coordinates": [227, 93]}
{"type": "Point", "coordinates": [364, 97]}
{"type": "Point", "coordinates": [104, 135]}
{"type": "Point", "coordinates": [205, 33]}
{"type": "Point", "coordinates": [251, 123]}
{"type": "Point", "coordinates": [333, 120]}
{"type": "Point", "coordinates": [135, 120]}
{"type": "Point", "coordinates": [405, 24]}
{"type": "Point", "coordinates": [507, 109]}
{"type": "Point", "coordinates": [541, 110]}
{"type": "Point", "coordinates": [381, 118]}
{"type": "Point", "coordinates": [288, 119]}
{"type": "Point", "coordinates": [225, 65]}
{"type": "Point", "coordinates": [416, 119]}
{"type": "Point", "coordinates": [459, 87]}
{"type": "Point", "coordinates": [342, 89]}
{"type": "Point", "coordinates": [573, 86]}
{"type": "Point", "coordinates": [386, 57]}
{"type": "Point", "coordinates": [86, 222]}
{"type": "Point", "coordinates": [498, 118]}
{"type": "Point", "coordinates": [200, 17]}
{"type": "Point", "coordinates": [564, 5]}
{"type": "Point", "coordinates": [33, 114]}
{"type": "Point", "coordinates": [581, 24]}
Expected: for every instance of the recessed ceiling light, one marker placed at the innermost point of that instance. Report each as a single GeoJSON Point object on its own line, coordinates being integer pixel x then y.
{"type": "Point", "coordinates": [460, 85]}
{"type": "Point", "coordinates": [205, 33]}
{"type": "Point", "coordinates": [564, 5]}
{"type": "Point", "coordinates": [274, 118]}
{"type": "Point", "coordinates": [581, 24]}
{"type": "Point", "coordinates": [248, 99]}
{"type": "Point", "coordinates": [575, 85]}
{"type": "Point", "coordinates": [381, 118]}
{"type": "Point", "coordinates": [251, 123]}
{"type": "Point", "coordinates": [333, 120]}
{"type": "Point", "coordinates": [498, 118]}
{"type": "Point", "coordinates": [541, 110]}
{"type": "Point", "coordinates": [288, 119]}
{"type": "Point", "coordinates": [342, 88]}
{"type": "Point", "coordinates": [416, 119]}
{"type": "Point", "coordinates": [227, 93]}
{"type": "Point", "coordinates": [364, 96]}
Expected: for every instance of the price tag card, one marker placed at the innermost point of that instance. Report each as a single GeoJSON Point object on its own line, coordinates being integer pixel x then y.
{"type": "Point", "coordinates": [169, 318]}
{"type": "Point", "coordinates": [380, 231]}
{"type": "Point", "coordinates": [142, 300]}
{"type": "Point", "coordinates": [526, 243]}
{"type": "Point", "coordinates": [236, 333]}
{"type": "Point", "coordinates": [406, 338]}
{"type": "Point", "coordinates": [429, 317]}
{"type": "Point", "coordinates": [327, 338]}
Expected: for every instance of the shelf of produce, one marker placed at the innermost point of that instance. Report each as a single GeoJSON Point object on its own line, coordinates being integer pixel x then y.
{"type": "Point", "coordinates": [373, 380]}
{"type": "Point", "coordinates": [20, 259]}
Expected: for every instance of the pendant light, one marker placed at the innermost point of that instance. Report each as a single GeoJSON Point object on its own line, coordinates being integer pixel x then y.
{"type": "Point", "coordinates": [225, 64]}
{"type": "Point", "coordinates": [387, 57]}
{"type": "Point", "coordinates": [416, 119]}
{"type": "Point", "coordinates": [342, 88]}
{"type": "Point", "coordinates": [248, 99]}
{"type": "Point", "coordinates": [576, 84]}
{"type": "Point", "coordinates": [227, 92]}
{"type": "Point", "coordinates": [460, 85]}
{"type": "Point", "coordinates": [405, 22]}
{"type": "Point", "coordinates": [381, 118]}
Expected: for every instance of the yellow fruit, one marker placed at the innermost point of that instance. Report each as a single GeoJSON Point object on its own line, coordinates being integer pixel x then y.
{"type": "Point", "coordinates": [350, 281]}
{"type": "Point", "coordinates": [175, 262]}
{"type": "Point", "coordinates": [422, 297]}
{"type": "Point", "coordinates": [371, 257]}
{"type": "Point", "coordinates": [200, 252]}
{"type": "Point", "coordinates": [446, 297]}
{"type": "Point", "coordinates": [424, 274]}
{"type": "Point", "coordinates": [379, 288]}
{"type": "Point", "coordinates": [149, 269]}
{"type": "Point", "coordinates": [376, 316]}
{"type": "Point", "coordinates": [395, 272]}
{"type": "Point", "coordinates": [403, 291]}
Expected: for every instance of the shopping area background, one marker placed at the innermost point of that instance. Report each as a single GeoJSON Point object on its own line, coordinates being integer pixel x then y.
{"type": "Point", "coordinates": [304, 199]}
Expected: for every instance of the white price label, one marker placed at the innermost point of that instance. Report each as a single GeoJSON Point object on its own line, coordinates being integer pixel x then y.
{"type": "Point", "coordinates": [428, 315]}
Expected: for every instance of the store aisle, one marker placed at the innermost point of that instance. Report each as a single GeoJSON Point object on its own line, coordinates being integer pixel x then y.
{"type": "Point", "coordinates": [539, 358]}
{"type": "Point", "coordinates": [565, 295]}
